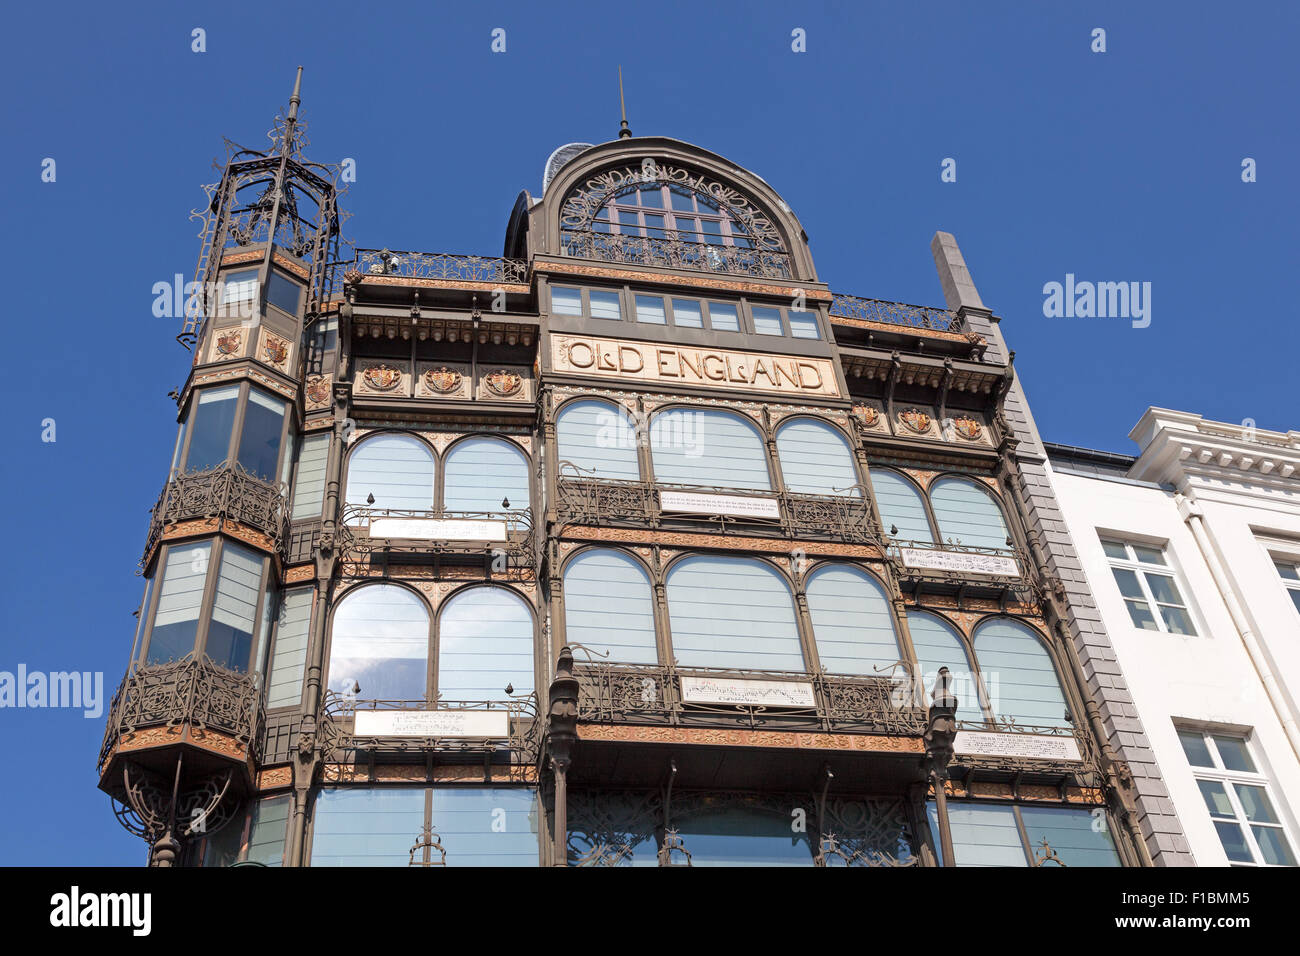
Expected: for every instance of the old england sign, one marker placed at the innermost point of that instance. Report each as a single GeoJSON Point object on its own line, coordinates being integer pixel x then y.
{"type": "Point", "coordinates": [677, 365]}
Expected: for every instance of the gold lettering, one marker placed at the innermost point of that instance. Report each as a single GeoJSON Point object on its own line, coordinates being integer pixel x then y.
{"type": "Point", "coordinates": [666, 357]}
{"type": "Point", "coordinates": [721, 375]}
{"type": "Point", "coordinates": [816, 372]}
{"type": "Point", "coordinates": [573, 355]}
{"type": "Point", "coordinates": [622, 358]}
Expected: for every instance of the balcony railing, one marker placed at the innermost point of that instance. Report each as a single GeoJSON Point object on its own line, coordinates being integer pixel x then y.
{"type": "Point", "coordinates": [437, 265]}
{"type": "Point", "coordinates": [504, 538]}
{"type": "Point", "coordinates": [1028, 748]}
{"type": "Point", "coordinates": [226, 492]}
{"type": "Point", "coordinates": [652, 694]}
{"type": "Point", "coordinates": [897, 313]}
{"type": "Point", "coordinates": [598, 501]}
{"type": "Point", "coordinates": [191, 692]}
{"type": "Point", "coordinates": [676, 254]}
{"type": "Point", "coordinates": [922, 564]}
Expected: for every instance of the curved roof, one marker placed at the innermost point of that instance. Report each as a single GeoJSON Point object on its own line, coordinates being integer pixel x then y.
{"type": "Point", "coordinates": [557, 160]}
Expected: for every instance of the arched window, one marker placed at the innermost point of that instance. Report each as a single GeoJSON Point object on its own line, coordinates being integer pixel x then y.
{"type": "Point", "coordinates": [815, 458]}
{"type": "Point", "coordinates": [901, 506]}
{"type": "Point", "coordinates": [1018, 675]}
{"type": "Point", "coordinates": [851, 621]}
{"type": "Point", "coordinates": [480, 473]}
{"type": "Point", "coordinates": [938, 645]}
{"type": "Point", "coordinates": [380, 641]}
{"type": "Point", "coordinates": [396, 469]}
{"type": "Point", "coordinates": [485, 643]}
{"type": "Point", "coordinates": [706, 446]}
{"type": "Point", "coordinates": [966, 513]}
{"type": "Point", "coordinates": [732, 612]}
{"type": "Point", "coordinates": [608, 607]}
{"type": "Point", "coordinates": [599, 438]}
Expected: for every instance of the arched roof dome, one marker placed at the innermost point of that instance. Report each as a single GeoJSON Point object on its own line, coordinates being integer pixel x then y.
{"type": "Point", "coordinates": [557, 160]}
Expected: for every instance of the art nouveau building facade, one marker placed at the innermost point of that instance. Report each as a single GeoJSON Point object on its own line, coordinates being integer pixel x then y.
{"type": "Point", "coordinates": [1192, 549]}
{"type": "Point", "coordinates": [636, 546]}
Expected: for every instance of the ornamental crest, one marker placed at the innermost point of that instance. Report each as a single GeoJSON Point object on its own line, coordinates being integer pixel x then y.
{"type": "Point", "coordinates": [442, 380]}
{"type": "Point", "coordinates": [383, 378]}
{"type": "Point", "coordinates": [276, 350]}
{"type": "Point", "coordinates": [870, 414]}
{"type": "Point", "coordinates": [967, 427]}
{"type": "Point", "coordinates": [229, 342]}
{"type": "Point", "coordinates": [504, 383]}
{"type": "Point", "coordinates": [318, 390]}
{"type": "Point", "coordinates": [916, 420]}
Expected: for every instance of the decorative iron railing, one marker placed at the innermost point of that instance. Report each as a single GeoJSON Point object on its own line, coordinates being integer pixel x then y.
{"type": "Point", "coordinates": [437, 265]}
{"type": "Point", "coordinates": [1053, 752]}
{"type": "Point", "coordinates": [599, 501]}
{"type": "Point", "coordinates": [676, 254]}
{"type": "Point", "coordinates": [505, 538]}
{"type": "Point", "coordinates": [225, 491]}
{"type": "Point", "coordinates": [896, 313]}
{"type": "Point", "coordinates": [653, 694]}
{"type": "Point", "coordinates": [190, 691]}
{"type": "Point", "coordinates": [951, 564]}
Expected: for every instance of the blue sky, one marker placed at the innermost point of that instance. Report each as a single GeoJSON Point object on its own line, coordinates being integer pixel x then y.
{"type": "Point", "coordinates": [1115, 166]}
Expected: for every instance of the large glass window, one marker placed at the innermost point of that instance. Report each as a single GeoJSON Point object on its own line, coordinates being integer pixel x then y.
{"type": "Point", "coordinates": [396, 469]}
{"type": "Point", "coordinates": [180, 599]}
{"type": "Point", "coordinates": [259, 443]}
{"type": "Point", "coordinates": [705, 446]}
{"type": "Point", "coordinates": [902, 509]}
{"type": "Point", "coordinates": [380, 641]}
{"type": "Point", "coordinates": [309, 481]}
{"type": "Point", "coordinates": [1000, 835]}
{"type": "Point", "coordinates": [211, 420]}
{"type": "Point", "coordinates": [815, 458]}
{"type": "Point", "coordinates": [937, 645]}
{"type": "Point", "coordinates": [366, 827]}
{"type": "Point", "coordinates": [289, 658]}
{"type": "Point", "coordinates": [851, 621]}
{"type": "Point", "coordinates": [743, 837]}
{"type": "Point", "coordinates": [966, 514]}
{"type": "Point", "coordinates": [598, 439]}
{"type": "Point", "coordinates": [1018, 674]}
{"type": "Point", "coordinates": [1146, 581]}
{"type": "Point", "coordinates": [608, 607]}
{"type": "Point", "coordinates": [255, 837]}
{"type": "Point", "coordinates": [734, 613]}
{"type": "Point", "coordinates": [283, 293]}
{"type": "Point", "coordinates": [1239, 799]}
{"type": "Point", "coordinates": [234, 609]}
{"type": "Point", "coordinates": [209, 437]}
{"type": "Point", "coordinates": [1289, 571]}
{"type": "Point", "coordinates": [482, 473]}
{"type": "Point", "coordinates": [485, 644]}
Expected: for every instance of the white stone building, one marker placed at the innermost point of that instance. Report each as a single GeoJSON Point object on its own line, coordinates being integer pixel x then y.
{"type": "Point", "coordinates": [1192, 551]}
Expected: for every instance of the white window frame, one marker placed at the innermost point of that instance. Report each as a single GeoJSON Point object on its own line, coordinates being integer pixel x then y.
{"type": "Point", "coordinates": [1220, 774]}
{"type": "Point", "coordinates": [1290, 587]}
{"type": "Point", "coordinates": [1140, 569]}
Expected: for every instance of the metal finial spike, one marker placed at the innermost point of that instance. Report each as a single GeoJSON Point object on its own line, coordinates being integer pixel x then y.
{"type": "Point", "coordinates": [623, 131]}
{"type": "Point", "coordinates": [296, 98]}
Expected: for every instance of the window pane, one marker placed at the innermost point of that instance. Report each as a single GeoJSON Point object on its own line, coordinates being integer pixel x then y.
{"type": "Point", "coordinates": [1114, 549]}
{"type": "Point", "coordinates": [239, 286]}
{"type": "Point", "coordinates": [284, 685]}
{"type": "Point", "coordinates": [604, 305]}
{"type": "Point", "coordinates": [901, 506]}
{"type": "Point", "coordinates": [851, 622]}
{"type": "Point", "coordinates": [767, 321]}
{"type": "Point", "coordinates": [381, 642]}
{"type": "Point", "coordinates": [650, 309]}
{"type": "Point", "coordinates": [701, 446]}
{"type": "Point", "coordinates": [211, 421]}
{"type": "Point", "coordinates": [732, 612]}
{"type": "Point", "coordinates": [396, 469]}
{"type": "Point", "coordinates": [230, 633]}
{"type": "Point", "coordinates": [1128, 583]}
{"type": "Point", "coordinates": [1198, 754]}
{"type": "Point", "coordinates": [966, 513]}
{"type": "Point", "coordinates": [1288, 571]}
{"type": "Point", "coordinates": [1234, 842]}
{"type": "Point", "coordinates": [1295, 597]}
{"type": "Point", "coordinates": [1148, 555]}
{"type": "Point", "coordinates": [1141, 614]}
{"type": "Point", "coordinates": [608, 607]}
{"type": "Point", "coordinates": [981, 835]}
{"type": "Point", "coordinates": [682, 201]}
{"type": "Point", "coordinates": [485, 643]}
{"type": "Point", "coordinates": [1073, 834]}
{"type": "Point", "coordinates": [743, 837]}
{"type": "Point", "coordinates": [815, 458]}
{"type": "Point", "coordinates": [723, 317]}
{"type": "Point", "coordinates": [597, 438]}
{"type": "Point", "coordinates": [652, 197]}
{"type": "Point", "coordinates": [309, 482]}
{"type": "Point", "coordinates": [566, 301]}
{"type": "Point", "coordinates": [1216, 799]}
{"type": "Point", "coordinates": [283, 293]}
{"type": "Point", "coordinates": [803, 325]}
{"type": "Point", "coordinates": [686, 313]}
{"type": "Point", "coordinates": [259, 445]}
{"type": "Point", "coordinates": [367, 827]}
{"type": "Point", "coordinates": [1018, 674]}
{"type": "Point", "coordinates": [1255, 803]}
{"type": "Point", "coordinates": [1163, 589]}
{"type": "Point", "coordinates": [1233, 753]}
{"type": "Point", "coordinates": [267, 828]}
{"type": "Point", "coordinates": [654, 226]}
{"type": "Point", "coordinates": [481, 473]}
{"type": "Point", "coordinates": [937, 645]}
{"type": "Point", "coordinates": [1177, 621]}
{"type": "Point", "coordinates": [486, 826]}
{"type": "Point", "coordinates": [1274, 847]}
{"type": "Point", "coordinates": [176, 622]}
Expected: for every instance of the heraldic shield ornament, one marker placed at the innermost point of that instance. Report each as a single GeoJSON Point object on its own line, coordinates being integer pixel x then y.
{"type": "Point", "coordinates": [317, 390]}
{"type": "Point", "coordinates": [967, 427]}
{"type": "Point", "coordinates": [383, 378]}
{"type": "Point", "coordinates": [230, 341]}
{"type": "Point", "coordinates": [504, 383]}
{"type": "Point", "coordinates": [442, 380]}
{"type": "Point", "coordinates": [870, 414]}
{"type": "Point", "coordinates": [916, 420]}
{"type": "Point", "coordinates": [276, 350]}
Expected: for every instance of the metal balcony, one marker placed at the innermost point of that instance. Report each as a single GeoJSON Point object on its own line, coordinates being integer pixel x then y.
{"type": "Point", "coordinates": [672, 253]}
